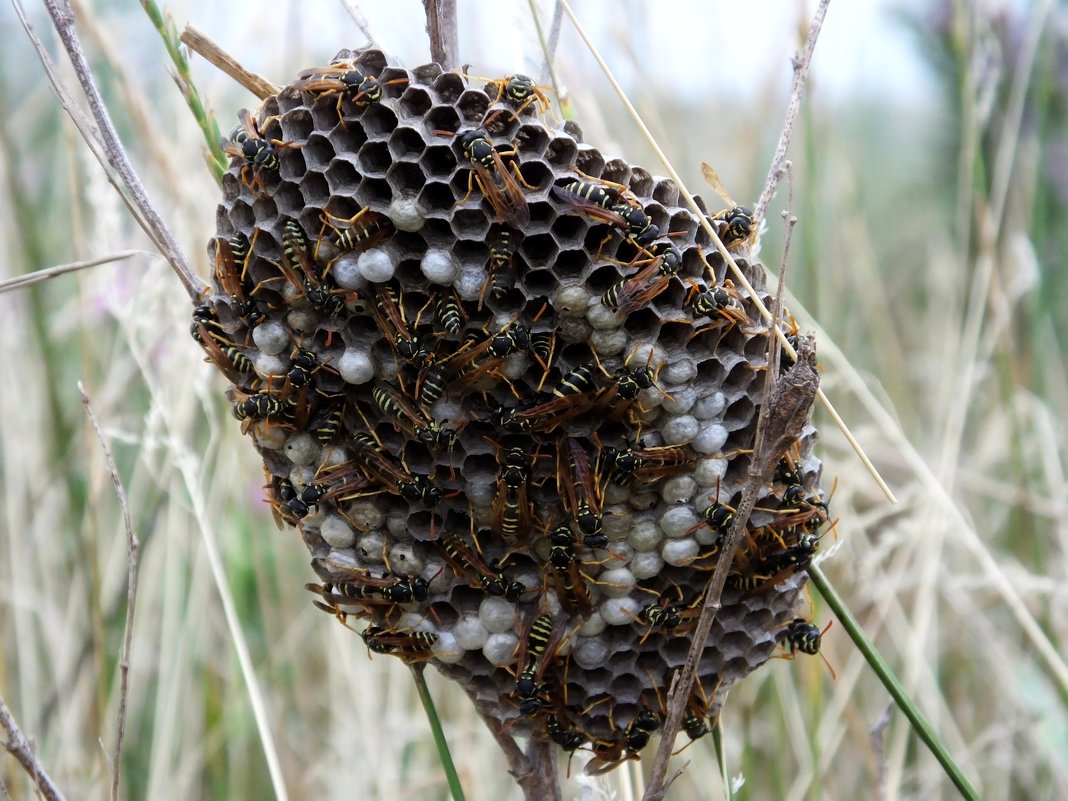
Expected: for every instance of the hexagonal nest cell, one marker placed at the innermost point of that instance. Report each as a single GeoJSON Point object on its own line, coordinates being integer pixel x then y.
{"type": "Point", "coordinates": [505, 393]}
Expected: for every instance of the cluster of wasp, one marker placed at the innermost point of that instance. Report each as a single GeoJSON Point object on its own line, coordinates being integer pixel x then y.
{"type": "Point", "coordinates": [505, 392]}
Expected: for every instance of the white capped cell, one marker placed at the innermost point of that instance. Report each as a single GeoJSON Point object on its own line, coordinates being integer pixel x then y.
{"type": "Point", "coordinates": [710, 439]}
{"type": "Point", "coordinates": [499, 649]}
{"type": "Point", "coordinates": [355, 366]}
{"type": "Point", "coordinates": [679, 430]}
{"type": "Point", "coordinates": [680, 552]}
{"type": "Point", "coordinates": [268, 435]}
{"type": "Point", "coordinates": [302, 449]}
{"type": "Point", "coordinates": [346, 271]}
{"type": "Point", "coordinates": [271, 337]}
{"type": "Point", "coordinates": [608, 343]}
{"type": "Point", "coordinates": [679, 371]}
{"type": "Point", "coordinates": [678, 489]}
{"type": "Point", "coordinates": [439, 266]}
{"type": "Point", "coordinates": [267, 365]}
{"type": "Point", "coordinates": [646, 564]}
{"type": "Point", "coordinates": [496, 614]}
{"type": "Point", "coordinates": [602, 318]}
{"type": "Point", "coordinates": [619, 611]}
{"type": "Point", "coordinates": [590, 654]}
{"type": "Point", "coordinates": [301, 321]}
{"type": "Point", "coordinates": [404, 559]}
{"type": "Point", "coordinates": [447, 649]}
{"type": "Point", "coordinates": [677, 520]}
{"type": "Point", "coordinates": [616, 582]}
{"type": "Point", "coordinates": [469, 632]}
{"type": "Point", "coordinates": [337, 532]}
{"type": "Point", "coordinates": [571, 300]}
{"type": "Point", "coordinates": [709, 472]}
{"type": "Point", "coordinates": [405, 214]}
{"type": "Point", "coordinates": [680, 400]}
{"type": "Point", "coordinates": [371, 547]}
{"type": "Point", "coordinates": [593, 626]}
{"type": "Point", "coordinates": [710, 407]}
{"type": "Point", "coordinates": [469, 281]}
{"type": "Point", "coordinates": [645, 535]}
{"type": "Point", "coordinates": [375, 265]}
{"type": "Point", "coordinates": [364, 515]}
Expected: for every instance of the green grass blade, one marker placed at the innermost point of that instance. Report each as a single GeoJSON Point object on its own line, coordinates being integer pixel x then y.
{"type": "Point", "coordinates": [444, 754]}
{"type": "Point", "coordinates": [886, 675]}
{"type": "Point", "coordinates": [721, 759]}
{"type": "Point", "coordinates": [205, 119]}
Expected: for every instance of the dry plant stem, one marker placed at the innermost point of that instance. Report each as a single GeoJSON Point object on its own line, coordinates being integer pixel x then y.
{"type": "Point", "coordinates": [116, 156]}
{"type": "Point", "coordinates": [99, 148]}
{"type": "Point", "coordinates": [782, 418]}
{"type": "Point", "coordinates": [361, 21]}
{"type": "Point", "coordinates": [878, 748]}
{"type": "Point", "coordinates": [29, 279]}
{"type": "Point", "coordinates": [801, 66]}
{"type": "Point", "coordinates": [133, 545]}
{"type": "Point", "coordinates": [19, 747]}
{"type": "Point", "coordinates": [534, 771]}
{"type": "Point", "coordinates": [441, 29]}
{"type": "Point", "coordinates": [736, 272]}
{"type": "Point", "coordinates": [199, 42]}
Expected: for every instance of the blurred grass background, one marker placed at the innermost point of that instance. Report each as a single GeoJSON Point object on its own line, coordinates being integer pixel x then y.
{"type": "Point", "coordinates": [930, 251]}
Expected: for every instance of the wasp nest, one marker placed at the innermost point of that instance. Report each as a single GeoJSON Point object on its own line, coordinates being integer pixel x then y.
{"type": "Point", "coordinates": [504, 391]}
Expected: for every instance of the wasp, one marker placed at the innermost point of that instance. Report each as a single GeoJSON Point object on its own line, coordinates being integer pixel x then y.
{"type": "Point", "coordinates": [801, 636]}
{"type": "Point", "coordinates": [411, 646]}
{"type": "Point", "coordinates": [647, 464]}
{"type": "Point", "coordinates": [317, 292]}
{"type": "Point", "coordinates": [499, 184]}
{"type": "Point", "coordinates": [474, 360]}
{"type": "Point", "coordinates": [233, 363]}
{"type": "Point", "coordinates": [715, 302]}
{"type": "Point", "coordinates": [345, 81]}
{"type": "Point", "coordinates": [326, 425]}
{"type": "Point", "coordinates": [510, 506]}
{"type": "Point", "coordinates": [539, 647]}
{"type": "Point", "coordinates": [567, 737]}
{"type": "Point", "coordinates": [570, 398]}
{"type": "Point", "coordinates": [500, 275]}
{"type": "Point", "coordinates": [568, 576]}
{"type": "Point", "coordinates": [260, 155]}
{"type": "Point", "coordinates": [581, 491]}
{"type": "Point", "coordinates": [360, 586]}
{"type": "Point", "coordinates": [605, 204]}
{"type": "Point", "coordinates": [260, 406]}
{"type": "Point", "coordinates": [395, 478]}
{"type": "Point", "coordinates": [521, 92]}
{"type": "Point", "coordinates": [204, 315]}
{"type": "Point", "coordinates": [636, 291]}
{"type": "Point", "coordinates": [391, 320]}
{"type": "Point", "coordinates": [609, 754]}
{"type": "Point", "coordinates": [407, 419]}
{"type": "Point", "coordinates": [348, 236]}
{"type": "Point", "coordinates": [734, 224]}
{"type": "Point", "coordinates": [430, 385]}
{"type": "Point", "coordinates": [468, 564]}
{"type": "Point", "coordinates": [448, 311]}
{"type": "Point", "coordinates": [299, 504]}
{"type": "Point", "coordinates": [794, 558]}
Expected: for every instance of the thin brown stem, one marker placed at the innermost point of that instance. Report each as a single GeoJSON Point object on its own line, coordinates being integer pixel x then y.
{"type": "Point", "coordinates": [19, 747]}
{"type": "Point", "coordinates": [149, 219]}
{"type": "Point", "coordinates": [133, 546]}
{"type": "Point", "coordinates": [202, 44]}
{"type": "Point", "coordinates": [442, 32]}
{"type": "Point", "coordinates": [801, 65]}
{"type": "Point", "coordinates": [29, 279]}
{"type": "Point", "coordinates": [534, 771]}
{"type": "Point", "coordinates": [361, 21]}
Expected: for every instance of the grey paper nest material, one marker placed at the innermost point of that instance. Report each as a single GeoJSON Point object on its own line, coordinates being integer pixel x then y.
{"type": "Point", "coordinates": [508, 423]}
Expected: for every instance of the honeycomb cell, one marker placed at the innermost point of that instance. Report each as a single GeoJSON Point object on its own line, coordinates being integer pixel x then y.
{"type": "Point", "coordinates": [378, 122]}
{"type": "Point", "coordinates": [317, 152]}
{"type": "Point", "coordinates": [341, 175]}
{"type": "Point", "coordinates": [405, 178]}
{"type": "Point", "coordinates": [374, 159]}
{"type": "Point", "coordinates": [374, 190]}
{"type": "Point", "coordinates": [589, 161]}
{"type": "Point", "coordinates": [539, 249]}
{"type": "Point", "coordinates": [448, 87]}
{"type": "Point", "coordinates": [438, 161]}
{"type": "Point", "coordinates": [297, 125]}
{"type": "Point", "coordinates": [531, 141]}
{"type": "Point", "coordinates": [406, 143]}
{"type": "Point", "coordinates": [442, 121]}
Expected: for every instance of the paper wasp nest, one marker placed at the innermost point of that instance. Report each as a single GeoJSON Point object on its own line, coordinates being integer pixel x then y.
{"type": "Point", "coordinates": [509, 423]}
